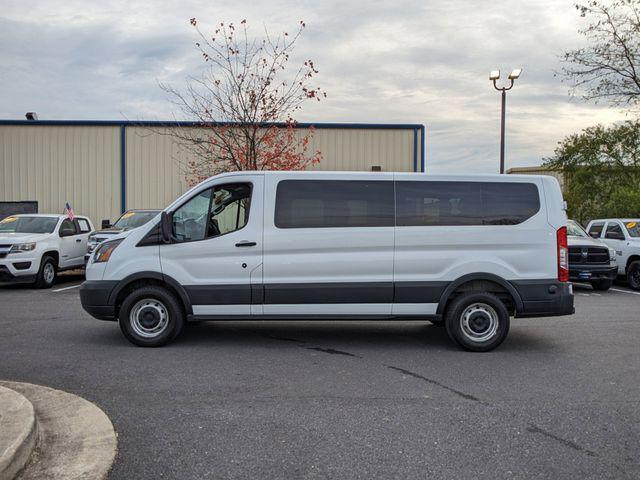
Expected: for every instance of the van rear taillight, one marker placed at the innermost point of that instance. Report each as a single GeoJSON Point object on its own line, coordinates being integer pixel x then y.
{"type": "Point", "coordinates": [563, 255]}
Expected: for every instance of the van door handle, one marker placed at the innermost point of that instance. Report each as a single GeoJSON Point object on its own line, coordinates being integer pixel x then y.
{"type": "Point", "coordinates": [78, 240]}
{"type": "Point", "coordinates": [246, 244]}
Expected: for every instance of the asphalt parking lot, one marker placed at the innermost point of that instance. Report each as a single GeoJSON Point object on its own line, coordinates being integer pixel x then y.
{"type": "Point", "coordinates": [559, 399]}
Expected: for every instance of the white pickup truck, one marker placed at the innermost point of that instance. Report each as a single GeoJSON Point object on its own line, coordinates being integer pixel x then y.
{"type": "Point", "coordinates": [623, 235]}
{"type": "Point", "coordinates": [33, 248]}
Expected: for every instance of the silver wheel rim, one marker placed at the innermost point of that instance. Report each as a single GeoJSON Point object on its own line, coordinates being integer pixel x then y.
{"type": "Point", "coordinates": [48, 272]}
{"type": "Point", "coordinates": [149, 318]}
{"type": "Point", "coordinates": [479, 322]}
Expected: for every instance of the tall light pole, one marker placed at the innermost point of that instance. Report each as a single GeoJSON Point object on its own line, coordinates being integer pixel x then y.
{"type": "Point", "coordinates": [494, 76]}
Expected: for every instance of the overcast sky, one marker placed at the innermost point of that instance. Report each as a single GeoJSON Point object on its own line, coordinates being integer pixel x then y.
{"type": "Point", "coordinates": [391, 61]}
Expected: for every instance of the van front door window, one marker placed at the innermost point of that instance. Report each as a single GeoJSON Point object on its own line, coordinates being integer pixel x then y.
{"type": "Point", "coordinates": [213, 212]}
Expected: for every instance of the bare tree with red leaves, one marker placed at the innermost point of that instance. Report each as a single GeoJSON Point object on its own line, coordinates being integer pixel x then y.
{"type": "Point", "coordinates": [245, 101]}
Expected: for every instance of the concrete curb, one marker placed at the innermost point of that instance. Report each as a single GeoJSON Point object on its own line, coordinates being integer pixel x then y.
{"type": "Point", "coordinates": [76, 440]}
{"type": "Point", "coordinates": [18, 432]}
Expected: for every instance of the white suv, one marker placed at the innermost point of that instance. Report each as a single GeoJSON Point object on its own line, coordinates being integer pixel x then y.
{"type": "Point", "coordinates": [33, 248]}
{"type": "Point", "coordinates": [623, 235]}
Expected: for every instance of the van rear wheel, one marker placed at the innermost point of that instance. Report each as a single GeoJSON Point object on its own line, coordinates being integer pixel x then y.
{"type": "Point", "coordinates": [477, 321]}
{"type": "Point", "coordinates": [151, 317]}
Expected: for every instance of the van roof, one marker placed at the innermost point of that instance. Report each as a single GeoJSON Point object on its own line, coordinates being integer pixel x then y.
{"type": "Point", "coordinates": [448, 176]}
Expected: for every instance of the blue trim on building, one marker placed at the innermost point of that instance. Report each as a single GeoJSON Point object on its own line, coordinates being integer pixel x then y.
{"type": "Point", "coordinates": [158, 123]}
{"type": "Point", "coordinates": [123, 168]}
{"type": "Point", "coordinates": [423, 143]}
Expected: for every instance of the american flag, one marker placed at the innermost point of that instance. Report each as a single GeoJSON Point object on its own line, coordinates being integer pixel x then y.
{"type": "Point", "coordinates": [69, 210]}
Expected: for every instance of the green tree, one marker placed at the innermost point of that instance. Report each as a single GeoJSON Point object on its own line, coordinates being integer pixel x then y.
{"type": "Point", "coordinates": [601, 171]}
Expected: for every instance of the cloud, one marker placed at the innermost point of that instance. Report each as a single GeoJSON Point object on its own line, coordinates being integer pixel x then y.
{"type": "Point", "coordinates": [380, 61]}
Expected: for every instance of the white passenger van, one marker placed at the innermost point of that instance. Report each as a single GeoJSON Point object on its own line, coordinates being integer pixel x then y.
{"type": "Point", "coordinates": [466, 251]}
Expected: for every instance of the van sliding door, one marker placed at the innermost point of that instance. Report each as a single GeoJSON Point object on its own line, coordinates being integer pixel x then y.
{"type": "Point", "coordinates": [328, 245]}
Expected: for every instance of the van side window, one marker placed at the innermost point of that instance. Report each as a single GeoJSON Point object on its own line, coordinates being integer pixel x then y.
{"type": "Point", "coordinates": [438, 203]}
{"type": "Point", "coordinates": [596, 230]}
{"type": "Point", "coordinates": [334, 203]}
{"type": "Point", "coordinates": [508, 203]}
{"type": "Point", "coordinates": [213, 212]}
{"type": "Point", "coordinates": [464, 203]}
{"type": "Point", "coordinates": [229, 208]}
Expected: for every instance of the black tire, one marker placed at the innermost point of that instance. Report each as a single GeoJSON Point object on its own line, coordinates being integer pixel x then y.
{"type": "Point", "coordinates": [633, 275]}
{"type": "Point", "coordinates": [159, 318]}
{"type": "Point", "coordinates": [490, 320]}
{"type": "Point", "coordinates": [602, 285]}
{"type": "Point", "coordinates": [47, 272]}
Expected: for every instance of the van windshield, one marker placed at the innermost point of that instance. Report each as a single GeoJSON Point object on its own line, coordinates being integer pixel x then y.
{"type": "Point", "coordinates": [14, 224]}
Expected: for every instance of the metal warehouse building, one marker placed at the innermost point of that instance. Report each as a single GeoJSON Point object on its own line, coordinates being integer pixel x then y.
{"type": "Point", "coordinates": [105, 167]}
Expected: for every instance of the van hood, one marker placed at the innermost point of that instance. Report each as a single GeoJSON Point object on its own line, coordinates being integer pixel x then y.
{"type": "Point", "coordinates": [20, 237]}
{"type": "Point", "coordinates": [575, 241]}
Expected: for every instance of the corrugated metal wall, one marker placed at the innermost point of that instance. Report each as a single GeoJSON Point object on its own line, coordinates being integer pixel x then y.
{"type": "Point", "coordinates": [360, 149]}
{"type": "Point", "coordinates": [54, 165]}
{"type": "Point", "coordinates": [81, 164]}
{"type": "Point", "coordinates": [155, 161]}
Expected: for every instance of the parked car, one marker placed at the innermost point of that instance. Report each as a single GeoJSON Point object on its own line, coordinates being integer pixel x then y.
{"type": "Point", "coordinates": [128, 221]}
{"type": "Point", "coordinates": [468, 251]}
{"type": "Point", "coordinates": [623, 235]}
{"type": "Point", "coordinates": [34, 247]}
{"type": "Point", "coordinates": [590, 260]}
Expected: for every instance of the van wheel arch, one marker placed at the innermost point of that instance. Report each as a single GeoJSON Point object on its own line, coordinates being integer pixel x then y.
{"type": "Point", "coordinates": [142, 279]}
{"type": "Point", "coordinates": [482, 282]}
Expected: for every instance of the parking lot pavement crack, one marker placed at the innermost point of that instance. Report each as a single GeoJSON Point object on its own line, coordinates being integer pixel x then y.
{"type": "Point", "coordinates": [532, 428]}
{"type": "Point", "coordinates": [441, 385]}
{"type": "Point", "coordinates": [333, 351]}
{"type": "Point", "coordinates": [286, 339]}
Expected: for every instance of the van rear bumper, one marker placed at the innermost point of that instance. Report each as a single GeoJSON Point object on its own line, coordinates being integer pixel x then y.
{"type": "Point", "coordinates": [544, 298]}
{"type": "Point", "coordinates": [94, 296]}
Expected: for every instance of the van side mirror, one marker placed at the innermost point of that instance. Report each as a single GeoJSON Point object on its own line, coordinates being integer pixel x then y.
{"type": "Point", "coordinates": [166, 227]}
{"type": "Point", "coordinates": [106, 224]}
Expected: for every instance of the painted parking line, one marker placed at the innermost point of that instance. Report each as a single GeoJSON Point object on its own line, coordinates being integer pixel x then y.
{"type": "Point", "coordinates": [66, 288]}
{"type": "Point", "coordinates": [624, 291]}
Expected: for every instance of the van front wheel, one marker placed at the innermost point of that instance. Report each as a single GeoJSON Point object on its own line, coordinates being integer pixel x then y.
{"type": "Point", "coordinates": [477, 321]}
{"type": "Point", "coordinates": [151, 317]}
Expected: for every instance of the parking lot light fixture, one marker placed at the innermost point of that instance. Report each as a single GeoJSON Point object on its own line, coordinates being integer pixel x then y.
{"type": "Point", "coordinates": [494, 76]}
